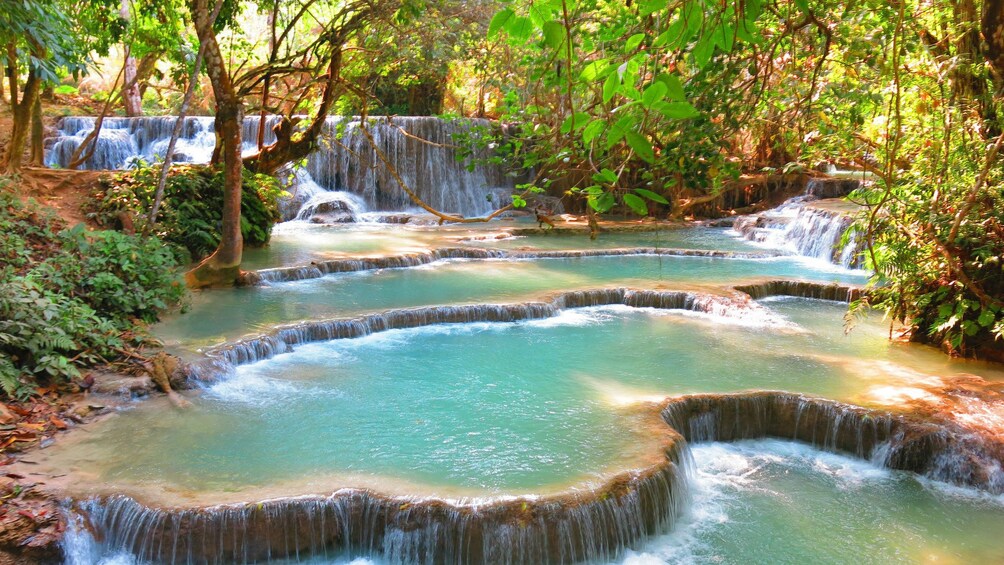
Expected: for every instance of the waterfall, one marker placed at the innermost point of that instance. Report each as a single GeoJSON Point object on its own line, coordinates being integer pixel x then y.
{"type": "Point", "coordinates": [125, 142]}
{"type": "Point", "coordinates": [423, 151]}
{"type": "Point", "coordinates": [218, 362]}
{"type": "Point", "coordinates": [944, 451]}
{"type": "Point", "coordinates": [805, 229]}
{"type": "Point", "coordinates": [580, 525]}
{"type": "Point", "coordinates": [318, 269]}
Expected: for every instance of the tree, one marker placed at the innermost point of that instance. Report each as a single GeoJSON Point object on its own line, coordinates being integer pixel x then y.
{"type": "Point", "coordinates": [223, 266]}
{"type": "Point", "coordinates": [43, 39]}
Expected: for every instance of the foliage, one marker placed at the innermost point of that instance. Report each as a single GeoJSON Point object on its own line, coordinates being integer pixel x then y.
{"type": "Point", "coordinates": [618, 98]}
{"type": "Point", "coordinates": [47, 335]}
{"type": "Point", "coordinates": [69, 298]}
{"type": "Point", "coordinates": [191, 215]}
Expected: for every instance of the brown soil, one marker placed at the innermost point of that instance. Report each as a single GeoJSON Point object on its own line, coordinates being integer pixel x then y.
{"type": "Point", "coordinates": [62, 190]}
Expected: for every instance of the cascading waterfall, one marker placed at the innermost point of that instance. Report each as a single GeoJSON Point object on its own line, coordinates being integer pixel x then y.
{"type": "Point", "coordinates": [580, 525]}
{"type": "Point", "coordinates": [318, 269]}
{"type": "Point", "coordinates": [806, 229]}
{"type": "Point", "coordinates": [125, 142]}
{"type": "Point", "coordinates": [423, 150]}
{"type": "Point", "coordinates": [943, 451]}
{"type": "Point", "coordinates": [220, 360]}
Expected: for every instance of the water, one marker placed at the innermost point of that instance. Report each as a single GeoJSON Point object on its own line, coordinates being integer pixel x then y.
{"type": "Point", "coordinates": [530, 441]}
{"type": "Point", "coordinates": [805, 227]}
{"type": "Point", "coordinates": [297, 243]}
{"type": "Point", "coordinates": [446, 406]}
{"type": "Point", "coordinates": [768, 501]}
{"type": "Point", "coordinates": [345, 160]}
{"type": "Point", "coordinates": [221, 314]}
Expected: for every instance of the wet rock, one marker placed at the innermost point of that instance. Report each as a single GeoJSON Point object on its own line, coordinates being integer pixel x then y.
{"type": "Point", "coordinates": [394, 218]}
{"type": "Point", "coordinates": [81, 410]}
{"type": "Point", "coordinates": [826, 187]}
{"type": "Point", "coordinates": [726, 222]}
{"type": "Point", "coordinates": [332, 212]}
{"type": "Point", "coordinates": [127, 386]}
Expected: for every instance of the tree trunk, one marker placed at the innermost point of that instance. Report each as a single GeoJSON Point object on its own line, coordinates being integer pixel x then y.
{"type": "Point", "coordinates": [993, 34]}
{"type": "Point", "coordinates": [130, 87]}
{"type": "Point", "coordinates": [22, 121]}
{"type": "Point", "coordinates": [223, 266]}
{"type": "Point", "coordinates": [37, 134]}
{"type": "Point", "coordinates": [11, 73]}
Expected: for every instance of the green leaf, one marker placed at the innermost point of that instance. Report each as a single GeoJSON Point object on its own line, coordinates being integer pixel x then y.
{"type": "Point", "coordinates": [499, 21]}
{"type": "Point", "coordinates": [602, 203]}
{"type": "Point", "coordinates": [594, 129]}
{"type": "Point", "coordinates": [554, 34]}
{"type": "Point", "coordinates": [633, 42]}
{"type": "Point", "coordinates": [655, 92]}
{"type": "Point", "coordinates": [693, 15]}
{"type": "Point", "coordinates": [605, 175]}
{"type": "Point", "coordinates": [654, 197]}
{"type": "Point", "coordinates": [646, 7]}
{"type": "Point", "coordinates": [674, 86]}
{"type": "Point", "coordinates": [518, 201]}
{"type": "Point", "coordinates": [703, 51]}
{"type": "Point", "coordinates": [677, 110]}
{"type": "Point", "coordinates": [675, 36]}
{"type": "Point", "coordinates": [594, 70]}
{"type": "Point", "coordinates": [636, 204]}
{"type": "Point", "coordinates": [987, 317]}
{"type": "Point", "coordinates": [641, 146]}
{"type": "Point", "coordinates": [575, 122]}
{"type": "Point", "coordinates": [610, 87]}
{"type": "Point", "coordinates": [724, 36]}
{"type": "Point", "coordinates": [803, 5]}
{"type": "Point", "coordinates": [519, 28]}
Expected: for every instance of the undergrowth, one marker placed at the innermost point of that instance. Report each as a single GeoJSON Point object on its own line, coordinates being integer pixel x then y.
{"type": "Point", "coordinates": [191, 215]}
{"type": "Point", "coordinates": [69, 298]}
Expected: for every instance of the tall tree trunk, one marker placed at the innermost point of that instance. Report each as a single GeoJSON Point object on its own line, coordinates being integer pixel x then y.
{"type": "Point", "coordinates": [11, 73]}
{"type": "Point", "coordinates": [130, 87]}
{"type": "Point", "coordinates": [22, 121]}
{"type": "Point", "coordinates": [993, 34]}
{"type": "Point", "coordinates": [223, 266]}
{"type": "Point", "coordinates": [37, 134]}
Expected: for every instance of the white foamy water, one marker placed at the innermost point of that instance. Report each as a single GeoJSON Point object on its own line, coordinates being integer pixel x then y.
{"type": "Point", "coordinates": [777, 501]}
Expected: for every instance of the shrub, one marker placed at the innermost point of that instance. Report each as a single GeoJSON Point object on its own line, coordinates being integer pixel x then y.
{"type": "Point", "coordinates": [70, 299]}
{"type": "Point", "coordinates": [191, 214]}
{"type": "Point", "coordinates": [46, 335]}
{"type": "Point", "coordinates": [122, 276]}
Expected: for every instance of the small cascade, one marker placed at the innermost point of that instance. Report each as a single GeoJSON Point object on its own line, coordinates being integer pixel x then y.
{"type": "Point", "coordinates": [942, 451]}
{"type": "Point", "coordinates": [804, 229]}
{"type": "Point", "coordinates": [220, 360]}
{"type": "Point", "coordinates": [801, 289]}
{"type": "Point", "coordinates": [320, 268]}
{"type": "Point", "coordinates": [582, 525]}
{"type": "Point", "coordinates": [421, 149]}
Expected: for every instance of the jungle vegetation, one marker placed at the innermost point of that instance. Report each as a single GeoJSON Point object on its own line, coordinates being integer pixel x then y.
{"type": "Point", "coordinates": [658, 107]}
